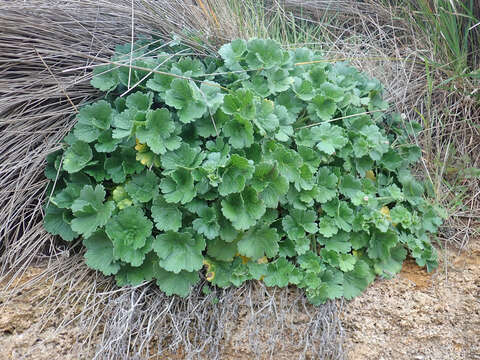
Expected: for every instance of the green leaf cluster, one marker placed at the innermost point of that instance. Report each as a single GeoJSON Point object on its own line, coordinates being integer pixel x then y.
{"type": "Point", "coordinates": [261, 163]}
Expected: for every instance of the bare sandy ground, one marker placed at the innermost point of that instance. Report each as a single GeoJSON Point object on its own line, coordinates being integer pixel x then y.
{"type": "Point", "coordinates": [416, 316]}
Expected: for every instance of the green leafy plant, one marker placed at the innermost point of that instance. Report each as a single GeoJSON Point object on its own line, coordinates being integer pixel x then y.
{"type": "Point", "coordinates": [261, 164]}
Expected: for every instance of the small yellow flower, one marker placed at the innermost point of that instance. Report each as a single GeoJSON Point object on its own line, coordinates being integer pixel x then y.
{"type": "Point", "coordinates": [262, 260]}
{"type": "Point", "coordinates": [244, 258]}
{"type": "Point", "coordinates": [386, 211]}
{"type": "Point", "coordinates": [140, 147]}
{"type": "Point", "coordinates": [357, 253]}
{"type": "Point", "coordinates": [145, 158]}
{"type": "Point", "coordinates": [210, 275]}
{"type": "Point", "coordinates": [370, 175]}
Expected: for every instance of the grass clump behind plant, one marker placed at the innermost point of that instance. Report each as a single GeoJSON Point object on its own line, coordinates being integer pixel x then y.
{"type": "Point", "coordinates": [451, 29]}
{"type": "Point", "coordinates": [450, 106]}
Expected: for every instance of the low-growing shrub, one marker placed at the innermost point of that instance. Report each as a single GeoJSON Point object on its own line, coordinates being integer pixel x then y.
{"type": "Point", "coordinates": [261, 164]}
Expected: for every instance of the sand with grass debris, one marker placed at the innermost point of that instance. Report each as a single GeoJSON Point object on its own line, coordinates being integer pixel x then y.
{"type": "Point", "coordinates": [253, 322]}
{"type": "Point", "coordinates": [416, 315]}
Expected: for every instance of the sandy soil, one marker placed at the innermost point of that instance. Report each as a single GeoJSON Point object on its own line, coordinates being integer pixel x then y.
{"type": "Point", "coordinates": [416, 316]}
{"type": "Point", "coordinates": [419, 315]}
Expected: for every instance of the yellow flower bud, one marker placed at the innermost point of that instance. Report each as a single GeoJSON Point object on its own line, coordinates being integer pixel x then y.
{"type": "Point", "coordinates": [370, 175]}
{"type": "Point", "coordinates": [139, 146]}
{"type": "Point", "coordinates": [262, 260]}
{"type": "Point", "coordinates": [244, 259]}
{"type": "Point", "coordinates": [386, 211]}
{"type": "Point", "coordinates": [210, 275]}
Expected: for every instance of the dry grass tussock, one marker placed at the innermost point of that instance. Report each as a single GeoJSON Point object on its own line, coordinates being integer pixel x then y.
{"type": "Point", "coordinates": [41, 39]}
{"type": "Point", "coordinates": [388, 45]}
